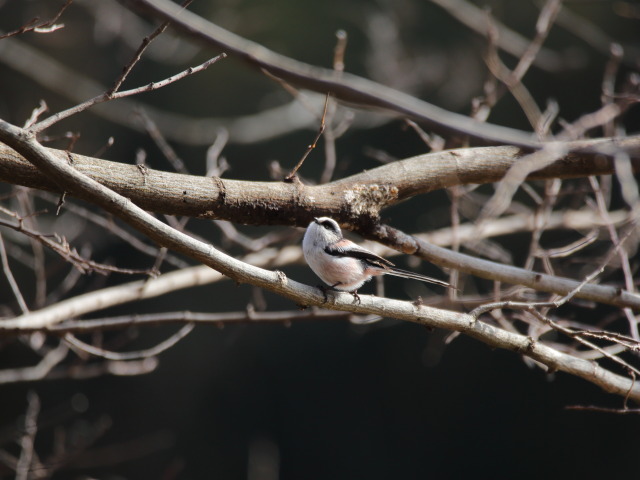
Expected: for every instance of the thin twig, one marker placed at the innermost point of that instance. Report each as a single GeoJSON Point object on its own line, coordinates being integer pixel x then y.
{"type": "Point", "coordinates": [62, 248]}
{"type": "Point", "coordinates": [11, 279]}
{"type": "Point", "coordinates": [146, 41]}
{"type": "Point", "coordinates": [573, 247]}
{"type": "Point", "coordinates": [42, 27]}
{"type": "Point", "coordinates": [157, 137]}
{"type": "Point", "coordinates": [622, 254]}
{"type": "Point", "coordinates": [219, 319]}
{"type": "Point", "coordinates": [30, 374]}
{"type": "Point", "coordinates": [136, 355]}
{"type": "Point", "coordinates": [114, 229]}
{"type": "Point", "coordinates": [293, 172]}
{"type": "Point", "coordinates": [540, 219]}
{"type": "Point", "coordinates": [23, 468]}
{"type": "Point", "coordinates": [609, 83]}
{"type": "Point", "coordinates": [35, 114]}
{"type": "Point", "coordinates": [544, 23]}
{"type": "Point", "coordinates": [594, 408]}
{"type": "Point", "coordinates": [83, 371]}
{"type": "Point", "coordinates": [577, 336]}
{"type": "Point", "coordinates": [509, 40]}
{"type": "Point", "coordinates": [31, 220]}
{"type": "Point", "coordinates": [512, 79]}
{"type": "Point", "coordinates": [104, 97]}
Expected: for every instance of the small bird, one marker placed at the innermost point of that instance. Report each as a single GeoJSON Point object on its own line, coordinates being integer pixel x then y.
{"type": "Point", "coordinates": [342, 264]}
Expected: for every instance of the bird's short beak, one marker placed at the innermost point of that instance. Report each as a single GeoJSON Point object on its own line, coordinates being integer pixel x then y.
{"type": "Point", "coordinates": [315, 219]}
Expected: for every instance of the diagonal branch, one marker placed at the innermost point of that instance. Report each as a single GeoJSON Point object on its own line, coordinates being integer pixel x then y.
{"type": "Point", "coordinates": [346, 87]}
{"type": "Point", "coordinates": [50, 317]}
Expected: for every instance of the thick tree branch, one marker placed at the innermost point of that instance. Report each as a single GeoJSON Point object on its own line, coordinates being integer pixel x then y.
{"type": "Point", "coordinates": [70, 179]}
{"type": "Point", "coordinates": [353, 200]}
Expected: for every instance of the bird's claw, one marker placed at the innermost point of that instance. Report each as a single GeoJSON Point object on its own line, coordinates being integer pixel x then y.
{"type": "Point", "coordinates": [356, 297]}
{"type": "Point", "coordinates": [323, 289]}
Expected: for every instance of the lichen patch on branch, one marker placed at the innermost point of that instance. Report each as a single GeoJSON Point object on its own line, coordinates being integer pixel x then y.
{"type": "Point", "coordinates": [368, 200]}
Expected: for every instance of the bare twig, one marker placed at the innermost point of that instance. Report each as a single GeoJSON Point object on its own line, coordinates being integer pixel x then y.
{"type": "Point", "coordinates": [166, 149]}
{"type": "Point", "coordinates": [146, 41]}
{"type": "Point", "coordinates": [83, 371]}
{"type": "Point", "coordinates": [136, 355]}
{"type": "Point", "coordinates": [594, 408]}
{"type": "Point", "coordinates": [216, 164]}
{"type": "Point", "coordinates": [44, 124]}
{"type": "Point", "coordinates": [512, 79]}
{"type": "Point", "coordinates": [577, 335]}
{"type": "Point", "coordinates": [504, 273]}
{"type": "Point", "coordinates": [114, 228]}
{"type": "Point", "coordinates": [622, 253]}
{"type": "Point", "coordinates": [218, 319]}
{"type": "Point", "coordinates": [545, 21]}
{"type": "Point", "coordinates": [29, 374]}
{"type": "Point", "coordinates": [573, 247]}
{"type": "Point", "coordinates": [293, 172]}
{"type": "Point", "coordinates": [510, 41]}
{"type": "Point", "coordinates": [541, 216]}
{"type": "Point", "coordinates": [62, 248]}
{"type": "Point", "coordinates": [609, 83]}
{"type": "Point", "coordinates": [35, 114]}
{"type": "Point", "coordinates": [42, 27]}
{"type": "Point", "coordinates": [23, 468]}
{"type": "Point", "coordinates": [11, 279]}
{"type": "Point", "coordinates": [31, 220]}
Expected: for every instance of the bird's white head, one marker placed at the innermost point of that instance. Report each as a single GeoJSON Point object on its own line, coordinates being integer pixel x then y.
{"type": "Point", "coordinates": [322, 231]}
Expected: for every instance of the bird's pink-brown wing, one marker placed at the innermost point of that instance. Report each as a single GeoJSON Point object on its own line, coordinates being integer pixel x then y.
{"type": "Point", "coordinates": [346, 248]}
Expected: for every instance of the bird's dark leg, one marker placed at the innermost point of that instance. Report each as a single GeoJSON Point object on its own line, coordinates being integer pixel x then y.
{"type": "Point", "coordinates": [356, 296]}
{"type": "Point", "coordinates": [324, 290]}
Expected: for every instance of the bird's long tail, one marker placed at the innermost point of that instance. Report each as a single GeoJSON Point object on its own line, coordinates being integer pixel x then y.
{"type": "Point", "coordinates": [416, 276]}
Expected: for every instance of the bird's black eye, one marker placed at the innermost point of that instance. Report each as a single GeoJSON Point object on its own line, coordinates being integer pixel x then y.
{"type": "Point", "coordinates": [329, 225]}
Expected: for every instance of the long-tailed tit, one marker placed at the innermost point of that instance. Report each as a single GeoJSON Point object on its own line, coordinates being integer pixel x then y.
{"type": "Point", "coordinates": [342, 264]}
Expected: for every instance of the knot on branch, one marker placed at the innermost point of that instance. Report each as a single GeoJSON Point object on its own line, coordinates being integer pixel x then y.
{"type": "Point", "coordinates": [366, 200]}
{"type": "Point", "coordinates": [281, 277]}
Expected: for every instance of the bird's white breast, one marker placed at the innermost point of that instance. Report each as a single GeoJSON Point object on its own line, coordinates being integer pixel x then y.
{"type": "Point", "coordinates": [347, 272]}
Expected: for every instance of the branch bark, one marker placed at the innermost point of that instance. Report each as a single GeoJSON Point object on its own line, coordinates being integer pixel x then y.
{"type": "Point", "coordinates": [355, 200]}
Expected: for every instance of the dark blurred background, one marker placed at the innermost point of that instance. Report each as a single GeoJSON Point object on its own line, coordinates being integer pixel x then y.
{"type": "Point", "coordinates": [316, 399]}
